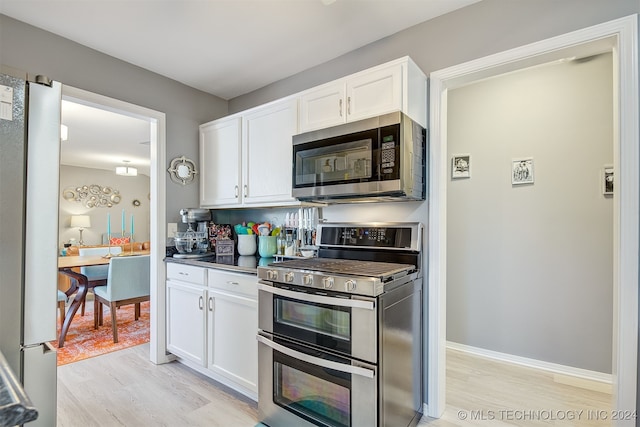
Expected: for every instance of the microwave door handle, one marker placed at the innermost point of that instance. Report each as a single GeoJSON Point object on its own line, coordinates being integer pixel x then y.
{"type": "Point", "coordinates": [329, 364]}
{"type": "Point", "coordinates": [319, 299]}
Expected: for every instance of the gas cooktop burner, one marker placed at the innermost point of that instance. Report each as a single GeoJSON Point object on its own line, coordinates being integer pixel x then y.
{"type": "Point", "coordinates": [346, 267]}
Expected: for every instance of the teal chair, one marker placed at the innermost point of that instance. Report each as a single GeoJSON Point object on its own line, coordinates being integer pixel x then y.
{"type": "Point", "coordinates": [128, 282]}
{"type": "Point", "coordinates": [97, 273]}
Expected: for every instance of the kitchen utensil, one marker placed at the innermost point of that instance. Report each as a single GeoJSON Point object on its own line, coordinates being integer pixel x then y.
{"type": "Point", "coordinates": [263, 230]}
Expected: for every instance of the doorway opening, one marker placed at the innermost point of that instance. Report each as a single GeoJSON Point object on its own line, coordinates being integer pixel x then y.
{"type": "Point", "coordinates": [618, 37]}
{"type": "Point", "coordinates": [155, 197]}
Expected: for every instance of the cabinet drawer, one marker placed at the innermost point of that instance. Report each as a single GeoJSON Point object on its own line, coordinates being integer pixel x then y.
{"type": "Point", "coordinates": [244, 284]}
{"type": "Point", "coordinates": [186, 273]}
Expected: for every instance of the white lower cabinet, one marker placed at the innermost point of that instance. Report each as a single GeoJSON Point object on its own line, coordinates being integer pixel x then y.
{"type": "Point", "coordinates": [186, 314]}
{"type": "Point", "coordinates": [212, 321]}
{"type": "Point", "coordinates": [232, 326]}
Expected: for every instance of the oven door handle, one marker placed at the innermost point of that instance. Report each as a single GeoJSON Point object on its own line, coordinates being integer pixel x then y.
{"type": "Point", "coordinates": [319, 299]}
{"type": "Point", "coordinates": [329, 364]}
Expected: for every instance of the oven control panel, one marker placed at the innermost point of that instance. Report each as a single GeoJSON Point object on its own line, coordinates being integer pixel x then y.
{"type": "Point", "coordinates": [369, 286]}
{"type": "Point", "coordinates": [407, 236]}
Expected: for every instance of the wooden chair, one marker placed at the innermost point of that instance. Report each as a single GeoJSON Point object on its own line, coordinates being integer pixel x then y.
{"type": "Point", "coordinates": [62, 302]}
{"type": "Point", "coordinates": [128, 282]}
{"type": "Point", "coordinates": [96, 274]}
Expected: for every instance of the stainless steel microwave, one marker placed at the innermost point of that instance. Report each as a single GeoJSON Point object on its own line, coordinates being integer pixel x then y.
{"type": "Point", "coordinates": [378, 159]}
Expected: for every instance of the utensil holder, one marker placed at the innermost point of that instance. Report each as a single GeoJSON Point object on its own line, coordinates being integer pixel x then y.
{"type": "Point", "coordinates": [246, 244]}
{"type": "Point", "coordinates": [267, 246]}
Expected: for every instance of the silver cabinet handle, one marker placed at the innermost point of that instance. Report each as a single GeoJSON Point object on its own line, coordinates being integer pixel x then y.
{"type": "Point", "coordinates": [348, 105]}
{"type": "Point", "coordinates": [229, 282]}
{"type": "Point", "coordinates": [340, 103]}
{"type": "Point", "coordinates": [200, 303]}
{"type": "Point", "coordinates": [320, 299]}
{"type": "Point", "coordinates": [211, 304]}
{"type": "Point", "coordinates": [329, 364]}
{"type": "Point", "coordinates": [182, 273]}
{"type": "Point", "coordinates": [245, 190]}
{"type": "Point", "coordinates": [237, 192]}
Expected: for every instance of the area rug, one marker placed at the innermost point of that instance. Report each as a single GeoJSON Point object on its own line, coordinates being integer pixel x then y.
{"type": "Point", "coordinates": [83, 342]}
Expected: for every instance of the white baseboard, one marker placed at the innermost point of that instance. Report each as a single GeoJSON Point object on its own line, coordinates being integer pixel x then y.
{"type": "Point", "coordinates": [569, 375]}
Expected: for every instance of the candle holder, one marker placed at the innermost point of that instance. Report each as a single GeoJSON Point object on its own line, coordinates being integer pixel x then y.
{"type": "Point", "coordinates": [108, 255]}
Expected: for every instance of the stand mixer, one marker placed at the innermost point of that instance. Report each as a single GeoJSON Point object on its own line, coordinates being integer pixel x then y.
{"type": "Point", "coordinates": [193, 243]}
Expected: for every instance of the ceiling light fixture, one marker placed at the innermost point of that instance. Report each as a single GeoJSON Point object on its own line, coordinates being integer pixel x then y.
{"type": "Point", "coordinates": [126, 170]}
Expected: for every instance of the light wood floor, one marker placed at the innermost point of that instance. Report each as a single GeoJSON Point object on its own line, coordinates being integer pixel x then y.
{"type": "Point", "coordinates": [125, 389]}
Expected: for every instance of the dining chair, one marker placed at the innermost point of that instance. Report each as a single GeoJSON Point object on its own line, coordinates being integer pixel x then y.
{"type": "Point", "coordinates": [128, 282]}
{"type": "Point", "coordinates": [96, 274]}
{"type": "Point", "coordinates": [62, 302]}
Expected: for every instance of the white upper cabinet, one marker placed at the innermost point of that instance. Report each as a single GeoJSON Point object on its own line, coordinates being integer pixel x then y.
{"type": "Point", "coordinates": [395, 86]}
{"type": "Point", "coordinates": [246, 158]}
{"type": "Point", "coordinates": [267, 153]}
{"type": "Point", "coordinates": [220, 162]}
{"type": "Point", "coordinates": [323, 107]}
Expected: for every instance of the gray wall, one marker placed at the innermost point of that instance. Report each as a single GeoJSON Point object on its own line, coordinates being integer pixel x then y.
{"type": "Point", "coordinates": [484, 28]}
{"type": "Point", "coordinates": [530, 267]}
{"type": "Point", "coordinates": [36, 51]}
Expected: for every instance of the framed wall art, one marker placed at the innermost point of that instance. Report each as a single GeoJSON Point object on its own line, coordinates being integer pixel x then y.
{"type": "Point", "coordinates": [461, 166]}
{"type": "Point", "coordinates": [607, 180]}
{"type": "Point", "coordinates": [522, 171]}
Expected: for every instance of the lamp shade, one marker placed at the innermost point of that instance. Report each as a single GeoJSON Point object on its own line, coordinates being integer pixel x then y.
{"type": "Point", "coordinates": [81, 221]}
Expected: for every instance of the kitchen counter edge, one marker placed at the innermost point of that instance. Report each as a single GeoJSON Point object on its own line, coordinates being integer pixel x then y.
{"type": "Point", "coordinates": [215, 265]}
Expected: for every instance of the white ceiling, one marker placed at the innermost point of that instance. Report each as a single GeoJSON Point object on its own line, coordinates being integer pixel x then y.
{"type": "Point", "coordinates": [223, 47]}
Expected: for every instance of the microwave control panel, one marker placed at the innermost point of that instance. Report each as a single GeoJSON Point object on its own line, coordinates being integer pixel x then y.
{"type": "Point", "coordinates": [389, 151]}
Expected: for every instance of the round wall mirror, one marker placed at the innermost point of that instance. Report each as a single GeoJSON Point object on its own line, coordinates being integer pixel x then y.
{"type": "Point", "coordinates": [182, 170]}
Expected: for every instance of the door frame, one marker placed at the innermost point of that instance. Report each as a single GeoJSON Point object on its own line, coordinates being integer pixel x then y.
{"type": "Point", "coordinates": [157, 151]}
{"type": "Point", "coordinates": [620, 37]}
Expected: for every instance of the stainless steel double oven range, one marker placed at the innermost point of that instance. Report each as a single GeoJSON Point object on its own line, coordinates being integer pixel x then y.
{"type": "Point", "coordinates": [340, 335]}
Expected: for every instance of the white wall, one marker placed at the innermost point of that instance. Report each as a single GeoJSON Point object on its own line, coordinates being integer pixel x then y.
{"type": "Point", "coordinates": [130, 188]}
{"type": "Point", "coordinates": [530, 267]}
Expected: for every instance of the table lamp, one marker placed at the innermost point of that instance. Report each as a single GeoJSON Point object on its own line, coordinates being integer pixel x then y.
{"type": "Point", "coordinates": [81, 222]}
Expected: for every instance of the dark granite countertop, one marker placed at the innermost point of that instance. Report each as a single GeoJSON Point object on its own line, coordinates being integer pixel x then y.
{"type": "Point", "coordinates": [15, 406]}
{"type": "Point", "coordinates": [236, 263]}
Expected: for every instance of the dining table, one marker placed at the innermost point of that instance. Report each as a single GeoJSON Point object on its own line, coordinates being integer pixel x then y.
{"type": "Point", "coordinates": [80, 284]}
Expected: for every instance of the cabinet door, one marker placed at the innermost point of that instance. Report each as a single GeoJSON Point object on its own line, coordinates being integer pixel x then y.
{"type": "Point", "coordinates": [233, 349]}
{"type": "Point", "coordinates": [186, 321]}
{"type": "Point", "coordinates": [220, 144]}
{"type": "Point", "coordinates": [267, 151]}
{"type": "Point", "coordinates": [373, 93]}
{"type": "Point", "coordinates": [323, 107]}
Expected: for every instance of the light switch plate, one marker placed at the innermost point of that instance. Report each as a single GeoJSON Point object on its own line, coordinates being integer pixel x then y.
{"type": "Point", "coordinates": [172, 229]}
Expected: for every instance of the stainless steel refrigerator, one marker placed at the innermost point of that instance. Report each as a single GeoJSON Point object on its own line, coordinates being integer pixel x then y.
{"type": "Point", "coordinates": [29, 189]}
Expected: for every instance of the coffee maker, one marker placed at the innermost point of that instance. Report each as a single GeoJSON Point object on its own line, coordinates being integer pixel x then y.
{"type": "Point", "coordinates": [193, 243]}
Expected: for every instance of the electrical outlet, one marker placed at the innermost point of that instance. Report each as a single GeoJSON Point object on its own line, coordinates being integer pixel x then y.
{"type": "Point", "coordinates": [172, 229]}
